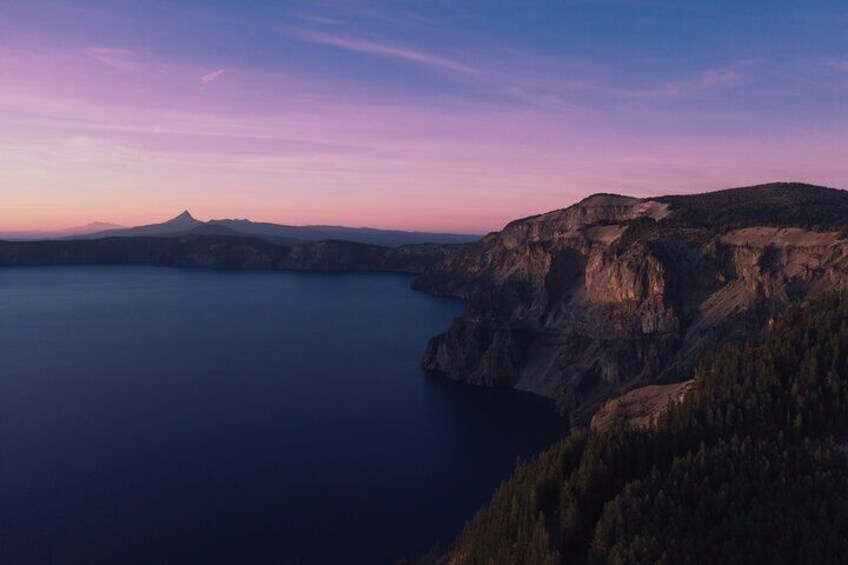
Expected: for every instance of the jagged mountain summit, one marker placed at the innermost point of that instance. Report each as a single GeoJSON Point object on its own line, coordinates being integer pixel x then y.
{"type": "Point", "coordinates": [186, 224]}
{"type": "Point", "coordinates": [177, 225]}
{"type": "Point", "coordinates": [584, 303]}
{"type": "Point", "coordinates": [184, 220]}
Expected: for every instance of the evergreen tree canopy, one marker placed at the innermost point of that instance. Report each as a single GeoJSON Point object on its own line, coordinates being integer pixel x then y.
{"type": "Point", "coordinates": [749, 468]}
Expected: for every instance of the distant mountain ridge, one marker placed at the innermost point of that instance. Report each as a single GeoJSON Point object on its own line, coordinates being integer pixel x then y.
{"type": "Point", "coordinates": [186, 224]}
{"type": "Point", "coordinates": [175, 226]}
{"type": "Point", "coordinates": [93, 227]}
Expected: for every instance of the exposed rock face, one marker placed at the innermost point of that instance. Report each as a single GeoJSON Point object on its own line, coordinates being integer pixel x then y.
{"type": "Point", "coordinates": [584, 303]}
{"type": "Point", "coordinates": [639, 408]}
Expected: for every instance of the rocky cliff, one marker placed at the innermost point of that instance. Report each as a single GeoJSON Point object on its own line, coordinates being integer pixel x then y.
{"type": "Point", "coordinates": [640, 407]}
{"type": "Point", "coordinates": [613, 293]}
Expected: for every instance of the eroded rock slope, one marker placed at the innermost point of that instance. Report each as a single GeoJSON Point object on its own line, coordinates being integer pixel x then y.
{"type": "Point", "coordinates": [585, 303]}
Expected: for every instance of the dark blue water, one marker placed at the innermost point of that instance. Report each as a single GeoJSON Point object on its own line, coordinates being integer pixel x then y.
{"type": "Point", "coordinates": [178, 416]}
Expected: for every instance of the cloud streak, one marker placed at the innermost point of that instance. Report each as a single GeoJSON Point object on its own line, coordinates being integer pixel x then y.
{"type": "Point", "coordinates": [838, 64]}
{"type": "Point", "coordinates": [211, 77]}
{"type": "Point", "coordinates": [316, 19]}
{"type": "Point", "coordinates": [385, 50]}
{"type": "Point", "coordinates": [721, 78]}
{"type": "Point", "coordinates": [117, 58]}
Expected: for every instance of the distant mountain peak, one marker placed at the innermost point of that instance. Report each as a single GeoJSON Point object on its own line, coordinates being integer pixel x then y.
{"type": "Point", "coordinates": [185, 220]}
{"type": "Point", "coordinates": [185, 223]}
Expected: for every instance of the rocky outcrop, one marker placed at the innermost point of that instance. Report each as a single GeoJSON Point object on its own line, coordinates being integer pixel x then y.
{"type": "Point", "coordinates": [613, 293]}
{"type": "Point", "coordinates": [639, 408]}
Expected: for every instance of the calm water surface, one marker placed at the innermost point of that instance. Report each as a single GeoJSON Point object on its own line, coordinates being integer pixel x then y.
{"type": "Point", "coordinates": [177, 416]}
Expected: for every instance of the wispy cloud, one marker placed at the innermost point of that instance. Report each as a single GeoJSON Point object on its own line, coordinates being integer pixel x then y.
{"type": "Point", "coordinates": [707, 80]}
{"type": "Point", "coordinates": [838, 64]}
{"type": "Point", "coordinates": [385, 50]}
{"type": "Point", "coordinates": [117, 58]}
{"type": "Point", "coordinates": [211, 77]}
{"type": "Point", "coordinates": [719, 78]}
{"type": "Point", "coordinates": [314, 18]}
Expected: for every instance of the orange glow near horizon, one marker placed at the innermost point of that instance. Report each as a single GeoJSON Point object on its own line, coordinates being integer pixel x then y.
{"type": "Point", "coordinates": [103, 122]}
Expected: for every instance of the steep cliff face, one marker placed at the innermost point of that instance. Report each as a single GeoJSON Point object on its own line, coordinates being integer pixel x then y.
{"type": "Point", "coordinates": [613, 293]}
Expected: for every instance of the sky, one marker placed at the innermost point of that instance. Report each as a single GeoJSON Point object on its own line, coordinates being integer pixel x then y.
{"type": "Point", "coordinates": [432, 115]}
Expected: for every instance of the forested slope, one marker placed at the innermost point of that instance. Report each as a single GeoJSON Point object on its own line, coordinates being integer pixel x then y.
{"type": "Point", "coordinates": [748, 468]}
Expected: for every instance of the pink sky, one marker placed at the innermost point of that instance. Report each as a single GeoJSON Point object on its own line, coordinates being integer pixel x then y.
{"type": "Point", "coordinates": [111, 132]}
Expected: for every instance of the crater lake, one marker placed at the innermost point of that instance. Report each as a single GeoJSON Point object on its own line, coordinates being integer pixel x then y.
{"type": "Point", "coordinates": [153, 415]}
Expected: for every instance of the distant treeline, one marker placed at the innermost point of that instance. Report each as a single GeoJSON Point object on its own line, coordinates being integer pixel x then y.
{"type": "Point", "coordinates": [222, 252]}
{"type": "Point", "coordinates": [778, 204]}
{"type": "Point", "coordinates": [749, 468]}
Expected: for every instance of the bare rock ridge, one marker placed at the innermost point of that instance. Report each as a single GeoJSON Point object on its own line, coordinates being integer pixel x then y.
{"type": "Point", "coordinates": [640, 407]}
{"type": "Point", "coordinates": [614, 293]}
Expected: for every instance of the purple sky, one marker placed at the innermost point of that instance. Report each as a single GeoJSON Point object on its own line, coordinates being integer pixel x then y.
{"type": "Point", "coordinates": [432, 115]}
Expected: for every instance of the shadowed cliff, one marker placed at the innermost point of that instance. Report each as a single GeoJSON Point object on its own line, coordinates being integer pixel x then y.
{"type": "Point", "coordinates": [585, 303]}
